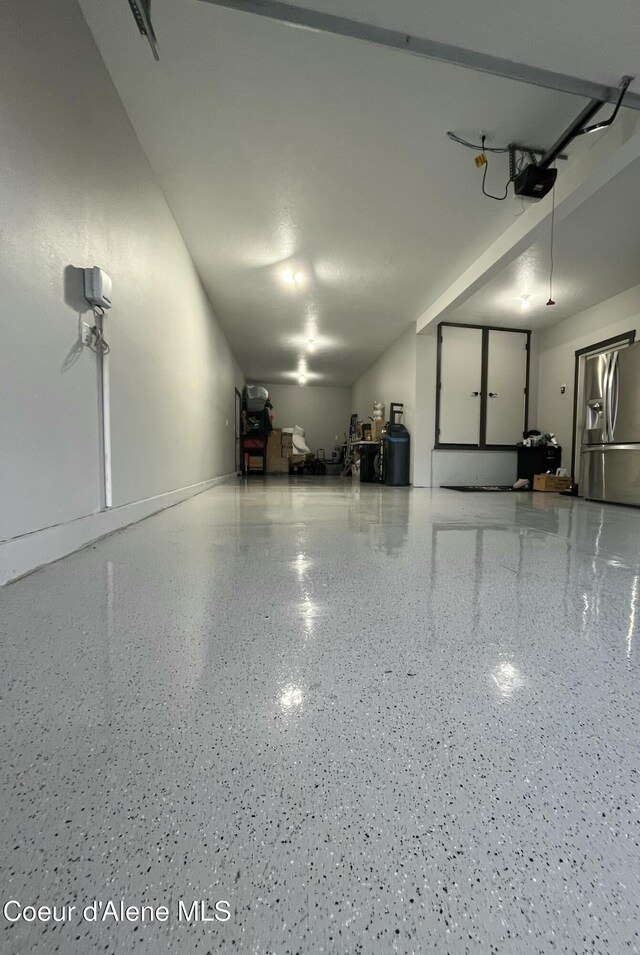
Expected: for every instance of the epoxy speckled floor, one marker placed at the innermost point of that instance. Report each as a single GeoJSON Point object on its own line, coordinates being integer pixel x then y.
{"type": "Point", "coordinates": [373, 720]}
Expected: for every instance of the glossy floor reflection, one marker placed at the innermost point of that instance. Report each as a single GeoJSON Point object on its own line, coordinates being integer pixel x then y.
{"type": "Point", "coordinates": [373, 720]}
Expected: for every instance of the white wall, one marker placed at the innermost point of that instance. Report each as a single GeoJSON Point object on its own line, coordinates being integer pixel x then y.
{"type": "Point", "coordinates": [473, 467]}
{"type": "Point", "coordinates": [391, 378]}
{"type": "Point", "coordinates": [409, 368]}
{"type": "Point", "coordinates": [556, 347]}
{"type": "Point", "coordinates": [407, 372]}
{"type": "Point", "coordinates": [76, 190]}
{"type": "Point", "coordinates": [425, 411]}
{"type": "Point", "coordinates": [324, 413]}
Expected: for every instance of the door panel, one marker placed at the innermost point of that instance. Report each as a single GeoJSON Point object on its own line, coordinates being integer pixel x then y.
{"type": "Point", "coordinates": [460, 385]}
{"type": "Point", "coordinates": [611, 474]}
{"type": "Point", "coordinates": [595, 388]}
{"type": "Point", "coordinates": [238, 430]}
{"type": "Point", "coordinates": [506, 378]}
{"type": "Point", "coordinates": [626, 395]}
{"type": "Point", "coordinates": [595, 377]}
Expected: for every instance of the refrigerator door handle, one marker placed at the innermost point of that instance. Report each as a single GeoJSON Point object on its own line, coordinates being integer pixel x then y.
{"type": "Point", "coordinates": [614, 394]}
{"type": "Point", "coordinates": [605, 400]}
{"type": "Point", "coordinates": [608, 419]}
{"type": "Point", "coordinates": [600, 448]}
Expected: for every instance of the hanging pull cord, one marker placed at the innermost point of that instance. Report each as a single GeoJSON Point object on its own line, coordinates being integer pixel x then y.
{"type": "Point", "coordinates": [553, 222]}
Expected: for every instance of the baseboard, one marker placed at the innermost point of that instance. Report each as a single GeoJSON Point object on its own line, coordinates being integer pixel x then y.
{"type": "Point", "coordinates": [23, 555]}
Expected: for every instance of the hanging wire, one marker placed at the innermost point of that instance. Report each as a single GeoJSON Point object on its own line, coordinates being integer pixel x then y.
{"type": "Point", "coordinates": [553, 220]}
{"type": "Point", "coordinates": [523, 209]}
{"type": "Point", "coordinates": [521, 156]}
{"type": "Point", "coordinates": [490, 195]}
{"type": "Point", "coordinates": [476, 146]}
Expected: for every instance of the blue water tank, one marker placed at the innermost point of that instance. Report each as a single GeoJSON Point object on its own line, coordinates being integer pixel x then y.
{"type": "Point", "coordinates": [397, 445]}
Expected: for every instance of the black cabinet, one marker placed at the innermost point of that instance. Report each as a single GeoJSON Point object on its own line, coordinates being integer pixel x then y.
{"type": "Point", "coordinates": [539, 460]}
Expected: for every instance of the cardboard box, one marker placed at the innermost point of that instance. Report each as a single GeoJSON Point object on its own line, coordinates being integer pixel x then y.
{"type": "Point", "coordinates": [255, 462]}
{"type": "Point", "coordinates": [278, 465]}
{"type": "Point", "coordinates": [376, 429]}
{"type": "Point", "coordinates": [274, 448]}
{"type": "Point", "coordinates": [549, 482]}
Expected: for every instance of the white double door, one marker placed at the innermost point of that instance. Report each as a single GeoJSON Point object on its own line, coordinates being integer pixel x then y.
{"type": "Point", "coordinates": [482, 386]}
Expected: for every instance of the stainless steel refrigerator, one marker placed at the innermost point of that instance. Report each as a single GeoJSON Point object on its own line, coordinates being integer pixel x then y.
{"type": "Point", "coordinates": [610, 459]}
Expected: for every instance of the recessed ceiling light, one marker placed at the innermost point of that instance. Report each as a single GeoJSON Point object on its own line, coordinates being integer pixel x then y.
{"type": "Point", "coordinates": [292, 278]}
{"type": "Point", "coordinates": [302, 380]}
{"type": "Point", "coordinates": [524, 301]}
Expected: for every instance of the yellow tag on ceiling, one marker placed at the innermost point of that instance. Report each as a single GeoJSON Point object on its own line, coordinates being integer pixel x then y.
{"type": "Point", "coordinates": [480, 160]}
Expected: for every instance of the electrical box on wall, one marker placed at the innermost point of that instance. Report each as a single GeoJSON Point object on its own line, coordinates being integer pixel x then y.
{"type": "Point", "coordinates": [97, 287]}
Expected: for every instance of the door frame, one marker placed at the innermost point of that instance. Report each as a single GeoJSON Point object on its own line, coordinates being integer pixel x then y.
{"type": "Point", "coordinates": [238, 430]}
{"type": "Point", "coordinates": [624, 340]}
{"type": "Point", "coordinates": [484, 370]}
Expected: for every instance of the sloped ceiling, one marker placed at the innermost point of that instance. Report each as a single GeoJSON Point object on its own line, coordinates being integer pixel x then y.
{"type": "Point", "coordinates": [585, 38]}
{"type": "Point", "coordinates": [596, 254]}
{"type": "Point", "coordinates": [279, 148]}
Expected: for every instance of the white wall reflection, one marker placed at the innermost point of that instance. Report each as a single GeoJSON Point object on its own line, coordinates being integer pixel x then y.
{"type": "Point", "coordinates": [507, 678]}
{"type": "Point", "coordinates": [585, 611]}
{"type": "Point", "coordinates": [308, 610]}
{"type": "Point", "coordinates": [301, 566]}
{"type": "Point", "coordinates": [308, 607]}
{"type": "Point", "coordinates": [633, 612]}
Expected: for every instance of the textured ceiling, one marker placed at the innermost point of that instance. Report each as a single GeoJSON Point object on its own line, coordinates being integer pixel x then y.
{"type": "Point", "coordinates": [282, 148]}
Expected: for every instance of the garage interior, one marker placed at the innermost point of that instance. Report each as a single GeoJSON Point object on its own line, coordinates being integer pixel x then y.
{"type": "Point", "coordinates": [312, 707]}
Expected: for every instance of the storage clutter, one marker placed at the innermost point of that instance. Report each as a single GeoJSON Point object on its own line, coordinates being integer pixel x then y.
{"type": "Point", "coordinates": [551, 482]}
{"type": "Point", "coordinates": [256, 426]}
{"type": "Point", "coordinates": [378, 429]}
{"type": "Point", "coordinates": [265, 449]}
{"type": "Point", "coordinates": [286, 449]}
{"type": "Point", "coordinates": [254, 462]}
{"type": "Point", "coordinates": [377, 450]}
{"type": "Point", "coordinates": [539, 463]}
{"type": "Point", "coordinates": [534, 439]}
{"type": "Point", "coordinates": [277, 461]}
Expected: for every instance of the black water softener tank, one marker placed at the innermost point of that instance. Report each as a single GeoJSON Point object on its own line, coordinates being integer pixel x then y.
{"type": "Point", "coordinates": [396, 450]}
